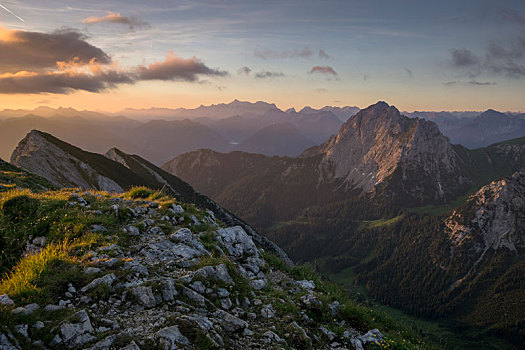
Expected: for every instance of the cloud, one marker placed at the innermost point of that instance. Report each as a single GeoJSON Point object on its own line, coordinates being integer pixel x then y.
{"type": "Point", "coordinates": [176, 68]}
{"type": "Point", "coordinates": [513, 16]}
{"type": "Point", "coordinates": [481, 83]}
{"type": "Point", "coordinates": [323, 54]}
{"type": "Point", "coordinates": [463, 58]}
{"type": "Point", "coordinates": [61, 82]}
{"type": "Point", "coordinates": [503, 59]}
{"type": "Point", "coordinates": [116, 18]}
{"type": "Point", "coordinates": [471, 82]}
{"type": "Point", "coordinates": [409, 72]}
{"type": "Point", "coordinates": [21, 50]}
{"type": "Point", "coordinates": [266, 74]}
{"type": "Point", "coordinates": [270, 54]}
{"type": "Point", "coordinates": [63, 62]}
{"type": "Point", "coordinates": [325, 70]}
{"type": "Point", "coordinates": [244, 71]}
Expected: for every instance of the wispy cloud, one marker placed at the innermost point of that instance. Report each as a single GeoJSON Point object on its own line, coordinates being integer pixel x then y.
{"type": "Point", "coordinates": [471, 82]}
{"type": "Point", "coordinates": [324, 70]}
{"type": "Point", "coordinates": [267, 74]}
{"type": "Point", "coordinates": [244, 71]}
{"type": "Point", "coordinates": [116, 18]}
{"type": "Point", "coordinates": [464, 58]}
{"type": "Point", "coordinates": [513, 16]}
{"type": "Point", "coordinates": [271, 54]}
{"type": "Point", "coordinates": [323, 54]}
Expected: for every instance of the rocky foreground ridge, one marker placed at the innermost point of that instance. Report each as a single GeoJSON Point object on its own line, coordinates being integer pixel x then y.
{"type": "Point", "coordinates": [65, 165]}
{"type": "Point", "coordinates": [158, 274]}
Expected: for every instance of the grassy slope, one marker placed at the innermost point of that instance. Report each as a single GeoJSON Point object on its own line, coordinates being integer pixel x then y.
{"type": "Point", "coordinates": [43, 278]}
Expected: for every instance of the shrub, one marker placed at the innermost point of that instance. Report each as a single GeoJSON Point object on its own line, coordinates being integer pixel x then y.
{"type": "Point", "coordinates": [140, 192]}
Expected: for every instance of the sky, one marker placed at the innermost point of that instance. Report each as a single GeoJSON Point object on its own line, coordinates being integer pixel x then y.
{"type": "Point", "coordinates": [116, 54]}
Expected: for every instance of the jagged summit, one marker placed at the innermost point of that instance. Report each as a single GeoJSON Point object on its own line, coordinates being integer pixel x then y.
{"type": "Point", "coordinates": [379, 146]}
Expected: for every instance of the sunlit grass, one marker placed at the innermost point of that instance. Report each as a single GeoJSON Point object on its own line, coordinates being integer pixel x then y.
{"type": "Point", "coordinates": [21, 281]}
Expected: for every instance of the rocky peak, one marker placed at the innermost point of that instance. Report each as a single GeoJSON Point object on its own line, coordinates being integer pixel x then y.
{"type": "Point", "coordinates": [493, 217]}
{"type": "Point", "coordinates": [378, 145]}
{"type": "Point", "coordinates": [39, 154]}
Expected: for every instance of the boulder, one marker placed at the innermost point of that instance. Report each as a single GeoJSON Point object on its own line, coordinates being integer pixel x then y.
{"type": "Point", "coordinates": [107, 280]}
{"type": "Point", "coordinates": [144, 296]}
{"type": "Point", "coordinates": [171, 338]}
{"type": "Point", "coordinates": [79, 332]}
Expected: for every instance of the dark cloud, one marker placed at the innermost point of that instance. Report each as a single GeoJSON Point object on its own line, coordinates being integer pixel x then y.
{"type": "Point", "coordinates": [244, 71]}
{"type": "Point", "coordinates": [62, 62]}
{"type": "Point", "coordinates": [323, 54]}
{"type": "Point", "coordinates": [116, 18]}
{"type": "Point", "coordinates": [62, 82]}
{"type": "Point", "coordinates": [270, 54]}
{"type": "Point", "coordinates": [464, 58]}
{"type": "Point", "coordinates": [409, 72]}
{"type": "Point", "coordinates": [176, 68]}
{"type": "Point", "coordinates": [503, 58]}
{"type": "Point", "coordinates": [20, 50]}
{"type": "Point", "coordinates": [325, 70]}
{"type": "Point", "coordinates": [266, 74]}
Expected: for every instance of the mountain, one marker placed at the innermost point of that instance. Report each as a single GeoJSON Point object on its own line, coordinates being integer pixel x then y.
{"type": "Point", "coordinates": [91, 131]}
{"type": "Point", "coordinates": [409, 157]}
{"type": "Point", "coordinates": [161, 140]}
{"type": "Point", "coordinates": [480, 130]}
{"type": "Point", "coordinates": [370, 209]}
{"type": "Point", "coordinates": [376, 151]}
{"type": "Point", "coordinates": [145, 270]}
{"type": "Point", "coordinates": [343, 113]}
{"type": "Point", "coordinates": [276, 139]}
{"type": "Point", "coordinates": [65, 165]}
{"type": "Point", "coordinates": [218, 111]}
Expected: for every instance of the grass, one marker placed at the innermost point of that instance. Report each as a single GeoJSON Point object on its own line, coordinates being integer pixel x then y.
{"type": "Point", "coordinates": [380, 222]}
{"type": "Point", "coordinates": [20, 284]}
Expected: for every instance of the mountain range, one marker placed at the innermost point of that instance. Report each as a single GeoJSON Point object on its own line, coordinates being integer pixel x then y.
{"type": "Point", "coordinates": [375, 204]}
{"type": "Point", "coordinates": [387, 205]}
{"type": "Point", "coordinates": [159, 134]}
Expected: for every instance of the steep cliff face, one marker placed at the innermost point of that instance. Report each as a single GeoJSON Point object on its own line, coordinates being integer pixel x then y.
{"type": "Point", "coordinates": [37, 154]}
{"type": "Point", "coordinates": [379, 147]}
{"type": "Point", "coordinates": [493, 217]}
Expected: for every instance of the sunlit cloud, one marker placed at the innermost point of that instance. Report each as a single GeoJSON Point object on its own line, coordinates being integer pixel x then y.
{"type": "Point", "coordinates": [63, 62]}
{"type": "Point", "coordinates": [325, 70]}
{"type": "Point", "coordinates": [21, 50]}
{"type": "Point", "coordinates": [116, 18]}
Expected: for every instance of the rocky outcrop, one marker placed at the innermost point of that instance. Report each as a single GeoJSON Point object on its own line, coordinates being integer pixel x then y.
{"type": "Point", "coordinates": [493, 217]}
{"type": "Point", "coordinates": [38, 155]}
